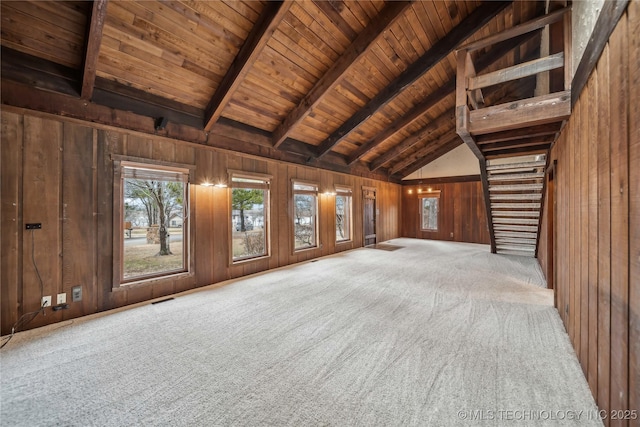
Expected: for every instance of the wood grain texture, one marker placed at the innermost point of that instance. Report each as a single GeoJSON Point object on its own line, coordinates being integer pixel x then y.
{"type": "Point", "coordinates": [461, 215]}
{"type": "Point", "coordinates": [597, 214]}
{"type": "Point", "coordinates": [71, 167]}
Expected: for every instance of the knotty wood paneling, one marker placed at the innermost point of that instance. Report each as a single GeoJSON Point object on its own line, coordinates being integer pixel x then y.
{"type": "Point", "coordinates": [461, 216]}
{"type": "Point", "coordinates": [59, 172]}
{"type": "Point", "coordinates": [596, 232]}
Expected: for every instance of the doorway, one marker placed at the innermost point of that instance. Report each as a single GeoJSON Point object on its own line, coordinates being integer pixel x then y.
{"type": "Point", "coordinates": [369, 215]}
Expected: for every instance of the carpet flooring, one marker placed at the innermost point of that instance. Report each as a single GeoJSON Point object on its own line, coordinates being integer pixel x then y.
{"type": "Point", "coordinates": [431, 334]}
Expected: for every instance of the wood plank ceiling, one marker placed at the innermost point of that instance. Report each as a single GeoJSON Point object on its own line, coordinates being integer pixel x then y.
{"type": "Point", "coordinates": [365, 87]}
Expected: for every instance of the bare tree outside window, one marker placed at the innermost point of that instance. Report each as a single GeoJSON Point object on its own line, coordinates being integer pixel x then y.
{"type": "Point", "coordinates": [305, 206]}
{"type": "Point", "coordinates": [155, 208]}
{"type": "Point", "coordinates": [429, 213]}
{"type": "Point", "coordinates": [343, 215]}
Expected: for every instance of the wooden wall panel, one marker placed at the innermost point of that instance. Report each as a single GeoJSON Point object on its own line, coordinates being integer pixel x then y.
{"type": "Point", "coordinates": [598, 215]}
{"type": "Point", "coordinates": [66, 182]}
{"type": "Point", "coordinates": [634, 209]}
{"type": "Point", "coordinates": [462, 216]}
{"type": "Point", "coordinates": [11, 219]}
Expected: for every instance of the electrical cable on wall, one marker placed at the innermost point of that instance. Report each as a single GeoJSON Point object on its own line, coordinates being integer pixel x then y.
{"type": "Point", "coordinates": [21, 321]}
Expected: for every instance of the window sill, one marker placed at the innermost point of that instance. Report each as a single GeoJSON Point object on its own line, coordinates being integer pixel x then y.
{"type": "Point", "coordinates": [152, 281]}
{"type": "Point", "coordinates": [342, 242]}
{"type": "Point", "coordinates": [246, 260]}
{"type": "Point", "coordinates": [307, 248]}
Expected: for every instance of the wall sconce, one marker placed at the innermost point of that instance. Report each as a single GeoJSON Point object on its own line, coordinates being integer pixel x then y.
{"type": "Point", "coordinates": [206, 184]}
{"type": "Point", "coordinates": [419, 190]}
{"type": "Point", "coordinates": [221, 185]}
{"type": "Point", "coordinates": [410, 191]}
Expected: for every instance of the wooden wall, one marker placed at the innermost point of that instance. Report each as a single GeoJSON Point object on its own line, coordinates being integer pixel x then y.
{"type": "Point", "coordinates": [597, 218]}
{"type": "Point", "coordinates": [461, 217]}
{"type": "Point", "coordinates": [60, 173]}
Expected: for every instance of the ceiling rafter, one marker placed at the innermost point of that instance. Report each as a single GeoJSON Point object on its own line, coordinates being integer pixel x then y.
{"type": "Point", "coordinates": [452, 143]}
{"type": "Point", "coordinates": [330, 79]}
{"type": "Point", "coordinates": [92, 48]}
{"type": "Point", "coordinates": [443, 47]}
{"type": "Point", "coordinates": [422, 152]}
{"type": "Point", "coordinates": [497, 52]}
{"type": "Point", "coordinates": [257, 39]}
{"type": "Point", "coordinates": [446, 119]}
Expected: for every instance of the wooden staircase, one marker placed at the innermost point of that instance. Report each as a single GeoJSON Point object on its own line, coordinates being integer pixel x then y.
{"type": "Point", "coordinates": [516, 186]}
{"type": "Point", "coordinates": [512, 140]}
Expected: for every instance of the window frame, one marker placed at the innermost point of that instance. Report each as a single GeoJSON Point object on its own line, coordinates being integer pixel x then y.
{"type": "Point", "coordinates": [267, 211]}
{"type": "Point", "coordinates": [343, 191]}
{"type": "Point", "coordinates": [316, 228]}
{"type": "Point", "coordinates": [429, 195]}
{"type": "Point", "coordinates": [118, 240]}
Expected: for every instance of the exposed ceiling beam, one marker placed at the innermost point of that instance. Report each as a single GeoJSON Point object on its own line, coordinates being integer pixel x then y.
{"type": "Point", "coordinates": [486, 60]}
{"type": "Point", "coordinates": [223, 135]}
{"type": "Point", "coordinates": [92, 48]}
{"type": "Point", "coordinates": [331, 78]}
{"type": "Point", "coordinates": [272, 14]}
{"type": "Point", "coordinates": [424, 151]}
{"type": "Point", "coordinates": [441, 151]}
{"type": "Point", "coordinates": [446, 120]}
{"type": "Point", "coordinates": [443, 47]}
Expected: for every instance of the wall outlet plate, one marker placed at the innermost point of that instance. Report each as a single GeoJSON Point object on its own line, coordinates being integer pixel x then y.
{"type": "Point", "coordinates": [76, 293]}
{"type": "Point", "coordinates": [62, 298]}
{"type": "Point", "coordinates": [46, 301]}
{"type": "Point", "coordinates": [34, 226]}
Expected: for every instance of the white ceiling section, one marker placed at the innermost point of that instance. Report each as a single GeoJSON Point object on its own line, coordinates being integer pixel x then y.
{"type": "Point", "coordinates": [457, 162]}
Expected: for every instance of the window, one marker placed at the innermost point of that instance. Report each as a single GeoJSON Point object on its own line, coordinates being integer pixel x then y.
{"type": "Point", "coordinates": [249, 216]}
{"type": "Point", "coordinates": [343, 214]}
{"type": "Point", "coordinates": [305, 208]}
{"type": "Point", "coordinates": [154, 221]}
{"type": "Point", "coordinates": [429, 212]}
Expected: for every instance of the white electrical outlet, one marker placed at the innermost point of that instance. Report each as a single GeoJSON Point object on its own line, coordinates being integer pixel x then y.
{"type": "Point", "coordinates": [46, 301]}
{"type": "Point", "coordinates": [62, 299]}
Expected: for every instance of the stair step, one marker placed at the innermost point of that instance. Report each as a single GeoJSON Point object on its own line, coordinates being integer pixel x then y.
{"type": "Point", "coordinates": [511, 227]}
{"type": "Point", "coordinates": [517, 234]}
{"type": "Point", "coordinates": [534, 214]}
{"type": "Point", "coordinates": [516, 187]}
{"type": "Point", "coordinates": [524, 248]}
{"type": "Point", "coordinates": [516, 241]}
{"type": "Point", "coordinates": [515, 205]}
{"type": "Point", "coordinates": [516, 176]}
{"type": "Point", "coordinates": [500, 220]}
{"type": "Point", "coordinates": [534, 196]}
{"type": "Point", "coordinates": [517, 253]}
{"type": "Point", "coordinates": [521, 165]}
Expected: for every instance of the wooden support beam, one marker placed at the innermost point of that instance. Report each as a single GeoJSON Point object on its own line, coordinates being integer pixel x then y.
{"type": "Point", "coordinates": [436, 96]}
{"type": "Point", "coordinates": [330, 79]}
{"type": "Point", "coordinates": [525, 142]}
{"type": "Point", "coordinates": [471, 24]}
{"type": "Point", "coordinates": [534, 24]}
{"type": "Point", "coordinates": [446, 119]}
{"type": "Point", "coordinates": [424, 152]}
{"type": "Point", "coordinates": [436, 154]}
{"type": "Point", "coordinates": [39, 73]}
{"type": "Point", "coordinates": [126, 98]}
{"type": "Point", "coordinates": [92, 48]}
{"type": "Point", "coordinates": [510, 135]}
{"type": "Point", "coordinates": [226, 135]}
{"type": "Point", "coordinates": [272, 14]}
{"type": "Point", "coordinates": [554, 107]}
{"type": "Point", "coordinates": [517, 71]}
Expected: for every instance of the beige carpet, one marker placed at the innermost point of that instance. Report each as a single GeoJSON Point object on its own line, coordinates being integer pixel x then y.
{"type": "Point", "coordinates": [431, 334]}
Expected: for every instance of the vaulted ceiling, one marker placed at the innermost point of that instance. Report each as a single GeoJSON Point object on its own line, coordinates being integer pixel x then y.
{"type": "Point", "coordinates": [365, 87]}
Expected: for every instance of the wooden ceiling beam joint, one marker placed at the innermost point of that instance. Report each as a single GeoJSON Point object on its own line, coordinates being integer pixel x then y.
{"type": "Point", "coordinates": [92, 48]}
{"type": "Point", "coordinates": [257, 39]}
